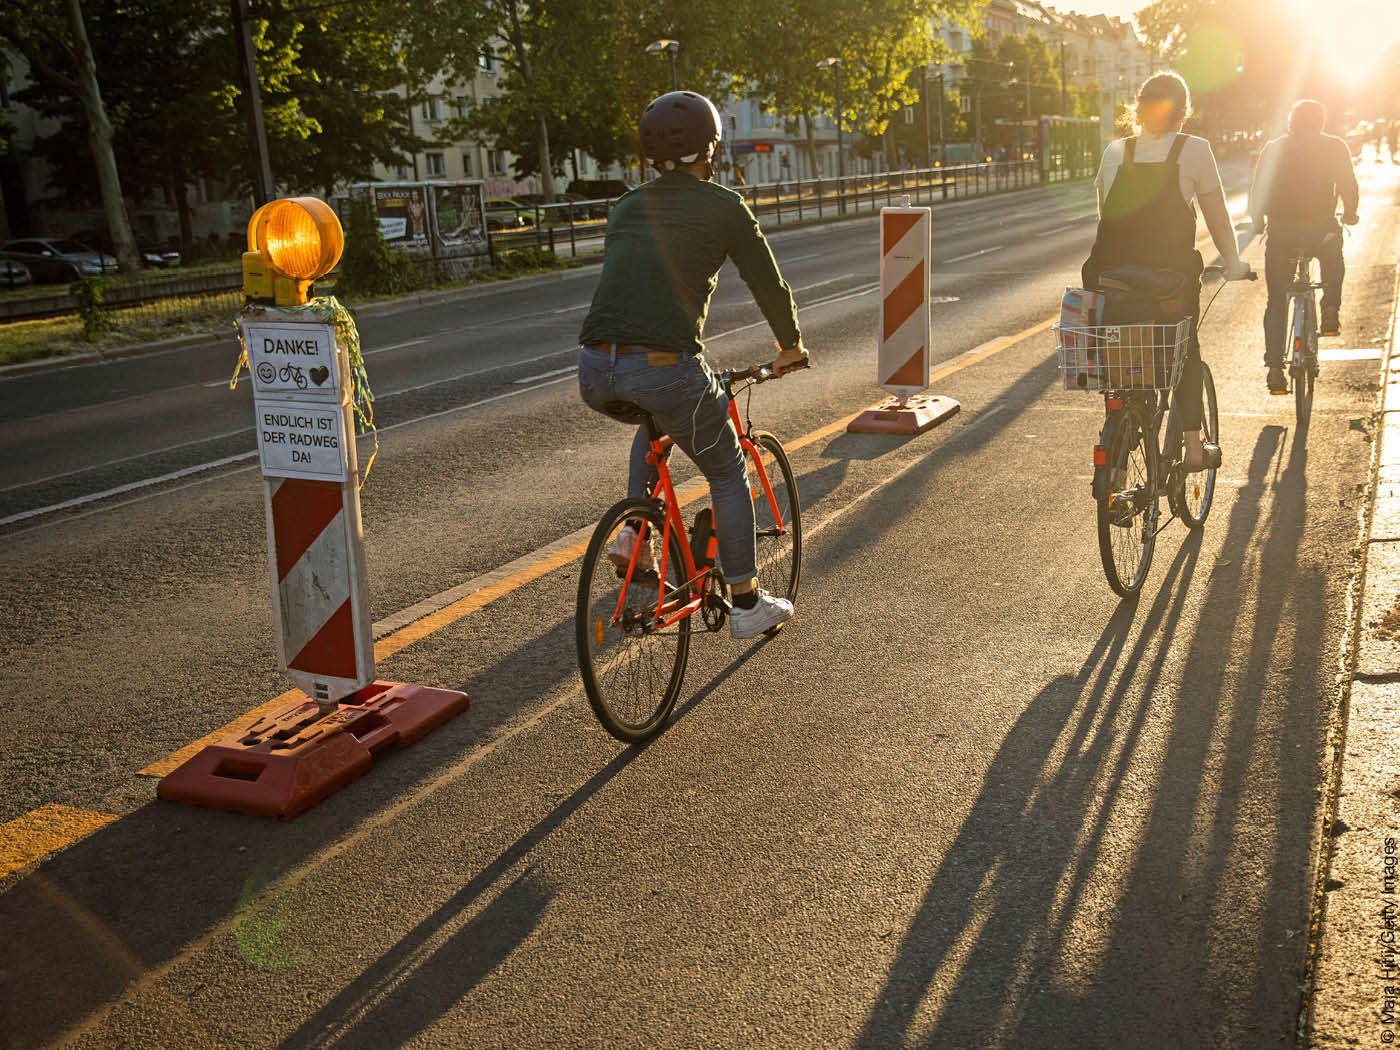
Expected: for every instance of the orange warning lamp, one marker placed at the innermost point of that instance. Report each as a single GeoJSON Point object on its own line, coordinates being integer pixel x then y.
{"type": "Point", "coordinates": [291, 242]}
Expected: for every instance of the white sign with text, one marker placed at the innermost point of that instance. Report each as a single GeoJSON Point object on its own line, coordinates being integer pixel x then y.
{"type": "Point", "coordinates": [300, 439]}
{"type": "Point", "coordinates": [292, 360]}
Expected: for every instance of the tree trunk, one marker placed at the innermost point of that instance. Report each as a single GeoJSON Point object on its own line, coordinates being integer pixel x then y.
{"type": "Point", "coordinates": [182, 206]}
{"type": "Point", "coordinates": [100, 141]}
{"type": "Point", "coordinates": [516, 39]}
{"type": "Point", "coordinates": [811, 145]}
{"type": "Point", "coordinates": [546, 164]}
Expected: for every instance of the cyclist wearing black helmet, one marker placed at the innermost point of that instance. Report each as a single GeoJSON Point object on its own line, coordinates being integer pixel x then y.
{"type": "Point", "coordinates": [665, 245]}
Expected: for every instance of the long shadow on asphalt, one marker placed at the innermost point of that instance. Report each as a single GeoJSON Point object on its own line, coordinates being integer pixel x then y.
{"type": "Point", "coordinates": [1020, 835]}
{"type": "Point", "coordinates": [324, 1029]}
{"type": "Point", "coordinates": [73, 943]}
{"type": "Point", "coordinates": [1206, 944]}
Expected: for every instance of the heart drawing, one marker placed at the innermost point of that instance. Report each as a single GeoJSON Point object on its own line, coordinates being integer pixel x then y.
{"type": "Point", "coordinates": [319, 374]}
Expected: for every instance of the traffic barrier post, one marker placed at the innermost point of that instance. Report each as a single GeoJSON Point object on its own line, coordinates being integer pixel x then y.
{"type": "Point", "coordinates": [902, 362]}
{"type": "Point", "coordinates": [309, 387]}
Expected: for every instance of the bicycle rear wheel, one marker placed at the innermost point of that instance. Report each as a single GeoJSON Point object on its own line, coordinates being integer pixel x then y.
{"type": "Point", "coordinates": [1127, 516]}
{"type": "Point", "coordinates": [631, 671]}
{"type": "Point", "coordinates": [778, 538]}
{"type": "Point", "coordinates": [1303, 367]}
{"type": "Point", "coordinates": [1193, 494]}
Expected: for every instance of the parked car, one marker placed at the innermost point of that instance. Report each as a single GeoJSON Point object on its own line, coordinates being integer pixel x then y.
{"type": "Point", "coordinates": [13, 274]}
{"type": "Point", "coordinates": [50, 259]}
{"type": "Point", "coordinates": [503, 213]}
{"type": "Point", "coordinates": [152, 255]}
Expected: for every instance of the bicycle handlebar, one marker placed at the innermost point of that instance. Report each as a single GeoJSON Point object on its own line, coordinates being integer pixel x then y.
{"type": "Point", "coordinates": [759, 373]}
{"type": "Point", "coordinates": [1253, 274]}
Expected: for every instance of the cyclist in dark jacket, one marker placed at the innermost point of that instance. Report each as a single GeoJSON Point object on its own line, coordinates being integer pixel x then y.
{"type": "Point", "coordinates": [642, 338]}
{"type": "Point", "coordinates": [1296, 186]}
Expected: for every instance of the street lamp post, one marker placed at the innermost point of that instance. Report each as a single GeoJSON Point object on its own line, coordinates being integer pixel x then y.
{"type": "Point", "coordinates": [669, 49]}
{"type": "Point", "coordinates": [834, 64]}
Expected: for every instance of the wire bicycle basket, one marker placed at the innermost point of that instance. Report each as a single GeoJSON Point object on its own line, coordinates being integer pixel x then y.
{"type": "Point", "coordinates": [1122, 356]}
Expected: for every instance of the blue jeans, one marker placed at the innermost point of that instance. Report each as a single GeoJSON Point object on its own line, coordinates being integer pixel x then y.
{"type": "Point", "coordinates": [688, 404]}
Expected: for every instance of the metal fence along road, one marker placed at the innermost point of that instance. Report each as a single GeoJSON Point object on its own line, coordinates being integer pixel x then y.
{"type": "Point", "coordinates": [577, 227]}
{"type": "Point", "coordinates": [569, 229]}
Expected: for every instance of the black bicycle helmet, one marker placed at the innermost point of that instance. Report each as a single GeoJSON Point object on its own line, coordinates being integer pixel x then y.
{"type": "Point", "coordinates": [678, 127]}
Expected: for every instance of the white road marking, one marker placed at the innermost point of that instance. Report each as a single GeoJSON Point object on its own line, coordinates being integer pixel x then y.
{"type": "Point", "coordinates": [125, 459]}
{"type": "Point", "coordinates": [571, 309]}
{"type": "Point", "coordinates": [1363, 353]}
{"type": "Point", "coordinates": [546, 375]}
{"type": "Point", "coordinates": [469, 375]}
{"type": "Point", "coordinates": [131, 487]}
{"type": "Point", "coordinates": [972, 255]}
{"type": "Point", "coordinates": [830, 280]}
{"type": "Point", "coordinates": [801, 258]}
{"type": "Point", "coordinates": [393, 346]}
{"type": "Point", "coordinates": [187, 471]}
{"type": "Point", "coordinates": [1057, 229]}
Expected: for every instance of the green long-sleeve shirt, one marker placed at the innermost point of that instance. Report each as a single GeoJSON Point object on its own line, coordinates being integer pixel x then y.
{"type": "Point", "coordinates": [665, 245]}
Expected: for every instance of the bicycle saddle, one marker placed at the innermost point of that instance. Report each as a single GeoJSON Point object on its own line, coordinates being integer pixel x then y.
{"type": "Point", "coordinates": [628, 412]}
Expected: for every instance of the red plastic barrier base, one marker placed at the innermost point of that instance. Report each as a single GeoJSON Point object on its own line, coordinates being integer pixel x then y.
{"type": "Point", "coordinates": [283, 765]}
{"type": "Point", "coordinates": [919, 413]}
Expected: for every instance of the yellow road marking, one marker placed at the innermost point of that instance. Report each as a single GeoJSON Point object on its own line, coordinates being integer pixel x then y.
{"type": "Point", "coordinates": [43, 831]}
{"type": "Point", "coordinates": [547, 563]}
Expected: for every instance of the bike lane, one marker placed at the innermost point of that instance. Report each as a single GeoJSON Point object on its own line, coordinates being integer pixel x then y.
{"type": "Point", "coordinates": [952, 805]}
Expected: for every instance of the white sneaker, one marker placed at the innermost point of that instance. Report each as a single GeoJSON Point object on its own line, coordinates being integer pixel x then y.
{"type": "Point", "coordinates": [767, 614]}
{"type": "Point", "coordinates": [620, 551]}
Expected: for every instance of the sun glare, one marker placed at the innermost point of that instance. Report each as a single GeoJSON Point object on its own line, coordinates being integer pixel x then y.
{"type": "Point", "coordinates": [1351, 35]}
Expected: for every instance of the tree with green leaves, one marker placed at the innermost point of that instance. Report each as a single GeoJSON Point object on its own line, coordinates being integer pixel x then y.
{"type": "Point", "coordinates": [54, 41]}
{"type": "Point", "coordinates": [882, 47]}
{"type": "Point", "coordinates": [329, 84]}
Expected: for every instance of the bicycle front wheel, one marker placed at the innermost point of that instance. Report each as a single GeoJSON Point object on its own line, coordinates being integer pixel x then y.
{"type": "Point", "coordinates": [631, 669]}
{"type": "Point", "coordinates": [1193, 495]}
{"type": "Point", "coordinates": [1128, 514]}
{"type": "Point", "coordinates": [777, 525]}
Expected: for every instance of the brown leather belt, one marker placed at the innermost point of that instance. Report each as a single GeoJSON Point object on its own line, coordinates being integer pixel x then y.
{"type": "Point", "coordinates": [654, 357]}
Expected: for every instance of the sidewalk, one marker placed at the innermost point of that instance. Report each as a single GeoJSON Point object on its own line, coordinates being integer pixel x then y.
{"type": "Point", "coordinates": [1355, 998]}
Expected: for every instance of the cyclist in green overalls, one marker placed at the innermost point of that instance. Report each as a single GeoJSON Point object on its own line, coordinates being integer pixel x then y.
{"type": "Point", "coordinates": [1146, 185]}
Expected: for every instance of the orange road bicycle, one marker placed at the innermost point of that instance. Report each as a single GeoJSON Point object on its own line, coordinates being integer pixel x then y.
{"type": "Point", "coordinates": [634, 622]}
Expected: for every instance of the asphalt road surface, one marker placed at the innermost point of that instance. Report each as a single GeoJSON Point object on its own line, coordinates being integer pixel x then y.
{"type": "Point", "coordinates": [967, 798]}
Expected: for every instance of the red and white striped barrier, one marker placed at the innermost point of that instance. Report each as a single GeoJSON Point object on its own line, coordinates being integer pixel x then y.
{"type": "Point", "coordinates": [902, 360]}
{"type": "Point", "coordinates": [315, 555]}
{"type": "Point", "coordinates": [283, 763]}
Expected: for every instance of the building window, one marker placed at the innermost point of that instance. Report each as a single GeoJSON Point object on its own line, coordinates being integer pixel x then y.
{"type": "Point", "coordinates": [908, 114]}
{"type": "Point", "coordinates": [432, 108]}
{"type": "Point", "coordinates": [467, 165]}
{"type": "Point", "coordinates": [463, 106]}
{"type": "Point", "coordinates": [495, 162]}
{"type": "Point", "coordinates": [401, 172]}
{"type": "Point", "coordinates": [487, 60]}
{"type": "Point", "coordinates": [436, 167]}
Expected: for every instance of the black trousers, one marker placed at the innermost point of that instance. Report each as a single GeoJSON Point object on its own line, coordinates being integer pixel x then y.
{"type": "Point", "coordinates": [1285, 244]}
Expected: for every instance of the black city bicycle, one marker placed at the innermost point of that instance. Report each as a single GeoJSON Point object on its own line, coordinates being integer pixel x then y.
{"type": "Point", "coordinates": [1137, 368]}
